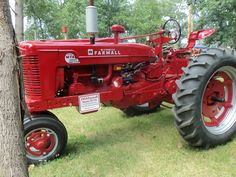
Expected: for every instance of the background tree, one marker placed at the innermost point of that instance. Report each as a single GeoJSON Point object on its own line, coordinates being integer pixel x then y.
{"type": "Point", "coordinates": [75, 22]}
{"type": "Point", "coordinates": [146, 16]}
{"type": "Point", "coordinates": [12, 158]}
{"type": "Point", "coordinates": [19, 20]}
{"type": "Point", "coordinates": [43, 20]}
{"type": "Point", "coordinates": [222, 16]}
{"type": "Point", "coordinates": [112, 12]}
{"type": "Point", "coordinates": [46, 17]}
{"type": "Point", "coordinates": [149, 16]}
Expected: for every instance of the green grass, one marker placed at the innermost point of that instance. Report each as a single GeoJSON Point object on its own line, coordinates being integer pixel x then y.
{"type": "Point", "coordinates": [107, 143]}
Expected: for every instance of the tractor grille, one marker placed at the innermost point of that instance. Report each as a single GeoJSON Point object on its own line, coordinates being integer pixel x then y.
{"type": "Point", "coordinates": [31, 73]}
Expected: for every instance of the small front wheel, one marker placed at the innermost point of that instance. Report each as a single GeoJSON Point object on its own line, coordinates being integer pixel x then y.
{"type": "Point", "coordinates": [45, 138]}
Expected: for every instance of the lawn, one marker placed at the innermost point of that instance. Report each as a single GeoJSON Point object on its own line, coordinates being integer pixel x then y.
{"type": "Point", "coordinates": [107, 143]}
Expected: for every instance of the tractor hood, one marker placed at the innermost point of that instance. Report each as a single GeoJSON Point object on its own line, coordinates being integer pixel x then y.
{"type": "Point", "coordinates": [104, 51]}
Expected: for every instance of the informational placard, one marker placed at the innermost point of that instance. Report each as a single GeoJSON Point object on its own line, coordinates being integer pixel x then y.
{"type": "Point", "coordinates": [89, 103]}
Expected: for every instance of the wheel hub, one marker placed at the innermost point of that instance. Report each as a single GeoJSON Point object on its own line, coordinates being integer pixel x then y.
{"type": "Point", "coordinates": [217, 99]}
{"type": "Point", "coordinates": [40, 143]}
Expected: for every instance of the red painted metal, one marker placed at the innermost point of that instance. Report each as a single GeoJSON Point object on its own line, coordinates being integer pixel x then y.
{"type": "Point", "coordinates": [64, 29]}
{"type": "Point", "coordinates": [56, 72]}
{"type": "Point", "coordinates": [197, 35]}
{"type": "Point", "coordinates": [214, 111]}
{"type": "Point", "coordinates": [117, 29]}
{"type": "Point", "coordinates": [39, 143]}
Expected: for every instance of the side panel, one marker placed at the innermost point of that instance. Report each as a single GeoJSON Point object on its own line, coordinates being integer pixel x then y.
{"type": "Point", "coordinates": [48, 65]}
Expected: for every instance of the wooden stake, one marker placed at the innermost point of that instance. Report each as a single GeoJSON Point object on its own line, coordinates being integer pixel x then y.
{"type": "Point", "coordinates": [91, 2]}
{"type": "Point", "coordinates": [189, 18]}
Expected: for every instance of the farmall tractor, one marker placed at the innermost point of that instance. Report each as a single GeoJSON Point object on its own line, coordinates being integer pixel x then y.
{"type": "Point", "coordinates": [129, 76]}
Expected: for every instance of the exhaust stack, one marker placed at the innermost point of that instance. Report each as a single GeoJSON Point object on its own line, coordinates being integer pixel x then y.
{"type": "Point", "coordinates": [91, 19]}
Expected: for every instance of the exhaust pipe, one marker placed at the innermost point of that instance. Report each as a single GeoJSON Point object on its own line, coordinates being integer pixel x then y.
{"type": "Point", "coordinates": [91, 21]}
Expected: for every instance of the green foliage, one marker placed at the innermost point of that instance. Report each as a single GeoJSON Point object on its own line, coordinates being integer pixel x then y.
{"type": "Point", "coordinates": [46, 17]}
{"type": "Point", "coordinates": [146, 17]}
{"type": "Point", "coordinates": [72, 14]}
{"type": "Point", "coordinates": [222, 16]}
{"type": "Point", "coordinates": [41, 18]}
{"type": "Point", "coordinates": [112, 12]}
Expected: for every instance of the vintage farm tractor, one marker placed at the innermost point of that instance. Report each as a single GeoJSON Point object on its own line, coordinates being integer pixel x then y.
{"type": "Point", "coordinates": [130, 77]}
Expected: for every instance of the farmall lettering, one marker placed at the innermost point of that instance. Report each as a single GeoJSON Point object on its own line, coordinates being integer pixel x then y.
{"type": "Point", "coordinates": [93, 52]}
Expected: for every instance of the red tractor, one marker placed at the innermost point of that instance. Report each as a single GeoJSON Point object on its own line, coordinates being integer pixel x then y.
{"type": "Point", "coordinates": [131, 77]}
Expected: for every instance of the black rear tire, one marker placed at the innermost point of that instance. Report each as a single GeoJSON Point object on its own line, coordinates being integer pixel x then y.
{"type": "Point", "coordinates": [202, 118]}
{"type": "Point", "coordinates": [45, 138]}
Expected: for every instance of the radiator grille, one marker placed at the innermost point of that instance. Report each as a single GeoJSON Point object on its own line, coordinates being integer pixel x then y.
{"type": "Point", "coordinates": [31, 73]}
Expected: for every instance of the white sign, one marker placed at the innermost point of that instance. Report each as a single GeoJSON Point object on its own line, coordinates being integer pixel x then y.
{"type": "Point", "coordinates": [89, 103]}
{"type": "Point", "coordinates": [71, 59]}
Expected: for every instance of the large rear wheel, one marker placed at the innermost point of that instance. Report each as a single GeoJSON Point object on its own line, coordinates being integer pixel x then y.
{"type": "Point", "coordinates": [205, 102]}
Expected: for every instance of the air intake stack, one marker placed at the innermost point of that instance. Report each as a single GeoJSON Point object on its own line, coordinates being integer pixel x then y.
{"type": "Point", "coordinates": [91, 21]}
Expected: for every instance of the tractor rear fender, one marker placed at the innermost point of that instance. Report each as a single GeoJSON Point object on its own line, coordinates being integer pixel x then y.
{"type": "Point", "coordinates": [198, 35]}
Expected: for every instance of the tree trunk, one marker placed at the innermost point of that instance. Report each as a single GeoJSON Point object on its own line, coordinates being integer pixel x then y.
{"type": "Point", "coordinates": [234, 44]}
{"type": "Point", "coordinates": [234, 38]}
{"type": "Point", "coordinates": [12, 151]}
{"type": "Point", "coordinates": [19, 20]}
{"type": "Point", "coordinates": [190, 11]}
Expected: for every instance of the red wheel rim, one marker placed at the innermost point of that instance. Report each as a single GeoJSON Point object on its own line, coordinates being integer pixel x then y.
{"type": "Point", "coordinates": [40, 143]}
{"type": "Point", "coordinates": [217, 99]}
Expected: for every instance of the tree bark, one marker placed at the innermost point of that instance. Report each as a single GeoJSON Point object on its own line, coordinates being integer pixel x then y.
{"type": "Point", "coordinates": [234, 39]}
{"type": "Point", "coordinates": [19, 20]}
{"type": "Point", "coordinates": [12, 151]}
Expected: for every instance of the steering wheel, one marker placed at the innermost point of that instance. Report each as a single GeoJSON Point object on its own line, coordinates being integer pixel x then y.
{"type": "Point", "coordinates": [173, 30]}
